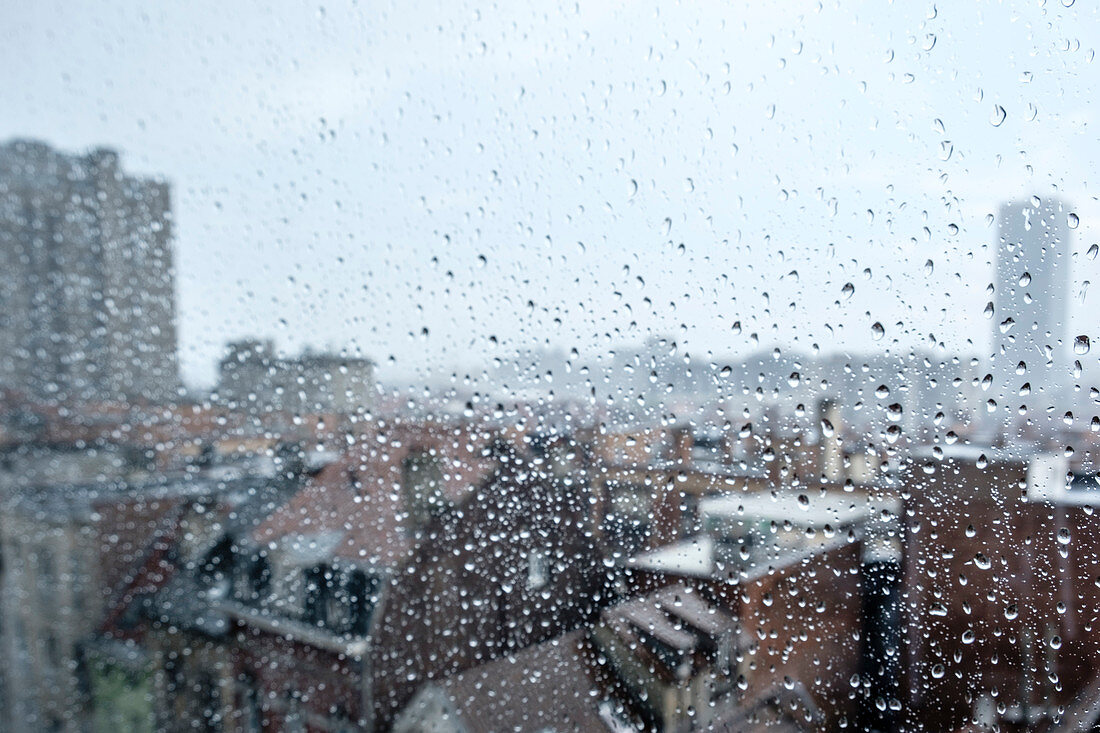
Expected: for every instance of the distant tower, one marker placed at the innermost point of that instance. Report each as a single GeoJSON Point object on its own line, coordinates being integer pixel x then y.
{"type": "Point", "coordinates": [86, 282]}
{"type": "Point", "coordinates": [1031, 304]}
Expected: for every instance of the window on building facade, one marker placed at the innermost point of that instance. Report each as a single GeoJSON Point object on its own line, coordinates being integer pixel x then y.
{"type": "Point", "coordinates": [538, 569]}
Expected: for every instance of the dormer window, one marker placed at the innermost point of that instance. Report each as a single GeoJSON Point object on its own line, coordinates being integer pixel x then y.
{"type": "Point", "coordinates": [251, 578]}
{"type": "Point", "coordinates": [338, 600]}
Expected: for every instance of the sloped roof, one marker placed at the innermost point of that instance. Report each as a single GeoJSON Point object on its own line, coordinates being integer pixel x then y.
{"type": "Point", "coordinates": [359, 496]}
{"type": "Point", "coordinates": [547, 687]}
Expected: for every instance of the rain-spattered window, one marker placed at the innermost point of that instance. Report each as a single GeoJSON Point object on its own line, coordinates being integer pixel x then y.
{"type": "Point", "coordinates": [542, 367]}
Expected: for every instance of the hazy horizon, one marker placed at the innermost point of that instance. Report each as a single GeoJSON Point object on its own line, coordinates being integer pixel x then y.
{"type": "Point", "coordinates": [434, 189]}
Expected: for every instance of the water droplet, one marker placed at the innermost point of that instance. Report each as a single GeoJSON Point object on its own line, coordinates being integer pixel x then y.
{"type": "Point", "coordinates": [1074, 221]}
{"type": "Point", "coordinates": [1012, 612]}
{"type": "Point", "coordinates": [1093, 251]}
{"type": "Point", "coordinates": [982, 562]}
{"type": "Point", "coordinates": [893, 412]}
{"type": "Point", "coordinates": [848, 290]}
{"type": "Point", "coordinates": [997, 118]}
{"type": "Point", "coordinates": [1081, 345]}
{"type": "Point", "coordinates": [938, 671]}
{"type": "Point", "coordinates": [882, 392]}
{"type": "Point", "coordinates": [877, 331]}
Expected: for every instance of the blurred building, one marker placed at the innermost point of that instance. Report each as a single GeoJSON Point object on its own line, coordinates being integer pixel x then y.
{"type": "Point", "coordinates": [88, 287]}
{"type": "Point", "coordinates": [1031, 302]}
{"type": "Point", "coordinates": [428, 548]}
{"type": "Point", "coordinates": [1001, 560]}
{"type": "Point", "coordinates": [252, 377]}
{"type": "Point", "coordinates": [80, 559]}
{"type": "Point", "coordinates": [671, 660]}
{"type": "Point", "coordinates": [799, 610]}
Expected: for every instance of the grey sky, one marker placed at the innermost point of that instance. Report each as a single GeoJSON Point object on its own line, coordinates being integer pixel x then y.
{"type": "Point", "coordinates": [357, 173]}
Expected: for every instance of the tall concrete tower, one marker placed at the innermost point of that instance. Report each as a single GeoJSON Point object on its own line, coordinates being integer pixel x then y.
{"type": "Point", "coordinates": [1030, 320]}
{"type": "Point", "coordinates": [86, 282]}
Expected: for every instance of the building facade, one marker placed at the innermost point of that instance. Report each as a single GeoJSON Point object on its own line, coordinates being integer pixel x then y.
{"type": "Point", "coordinates": [88, 300]}
{"type": "Point", "coordinates": [1031, 302]}
{"type": "Point", "coordinates": [253, 378]}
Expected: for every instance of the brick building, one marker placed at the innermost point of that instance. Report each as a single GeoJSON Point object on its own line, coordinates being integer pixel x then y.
{"type": "Point", "coordinates": [427, 549]}
{"type": "Point", "coordinates": [1001, 557]}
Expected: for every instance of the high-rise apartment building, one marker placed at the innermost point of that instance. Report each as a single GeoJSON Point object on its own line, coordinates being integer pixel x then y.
{"type": "Point", "coordinates": [87, 293]}
{"type": "Point", "coordinates": [1031, 304]}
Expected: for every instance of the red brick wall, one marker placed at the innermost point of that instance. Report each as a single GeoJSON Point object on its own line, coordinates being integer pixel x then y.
{"type": "Point", "coordinates": [1011, 608]}
{"type": "Point", "coordinates": [802, 621]}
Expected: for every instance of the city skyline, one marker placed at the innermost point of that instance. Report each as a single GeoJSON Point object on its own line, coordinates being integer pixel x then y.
{"type": "Point", "coordinates": [734, 169]}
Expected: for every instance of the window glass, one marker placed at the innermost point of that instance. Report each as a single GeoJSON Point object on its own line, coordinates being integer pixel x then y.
{"type": "Point", "coordinates": [455, 366]}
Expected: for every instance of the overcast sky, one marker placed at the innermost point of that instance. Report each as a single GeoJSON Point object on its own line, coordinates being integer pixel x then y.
{"type": "Point", "coordinates": [439, 184]}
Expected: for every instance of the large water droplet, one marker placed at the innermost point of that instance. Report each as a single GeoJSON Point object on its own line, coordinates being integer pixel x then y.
{"type": "Point", "coordinates": [1081, 345]}
{"type": "Point", "coordinates": [998, 116]}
